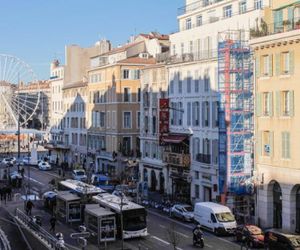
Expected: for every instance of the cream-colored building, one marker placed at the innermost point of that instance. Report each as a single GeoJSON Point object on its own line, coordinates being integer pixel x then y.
{"type": "Point", "coordinates": [114, 102]}
{"type": "Point", "coordinates": [277, 53]}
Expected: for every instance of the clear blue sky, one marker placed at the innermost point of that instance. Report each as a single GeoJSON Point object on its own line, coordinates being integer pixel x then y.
{"type": "Point", "coordinates": [37, 30]}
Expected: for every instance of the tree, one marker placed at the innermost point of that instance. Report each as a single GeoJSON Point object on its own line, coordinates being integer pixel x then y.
{"type": "Point", "coordinates": [173, 236]}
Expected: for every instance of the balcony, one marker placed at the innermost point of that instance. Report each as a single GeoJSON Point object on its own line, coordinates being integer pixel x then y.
{"type": "Point", "coordinates": [196, 5]}
{"type": "Point", "coordinates": [275, 28]}
{"type": "Point", "coordinates": [57, 145]}
{"type": "Point", "coordinates": [203, 158]}
{"type": "Point", "coordinates": [181, 160]}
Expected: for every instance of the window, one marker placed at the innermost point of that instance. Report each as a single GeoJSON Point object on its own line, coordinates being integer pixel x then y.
{"type": "Point", "coordinates": [102, 119]}
{"type": "Point", "coordinates": [136, 74]}
{"type": "Point", "coordinates": [213, 218]}
{"type": "Point", "coordinates": [174, 49]}
{"type": "Point", "coordinates": [197, 175]}
{"type": "Point", "coordinates": [191, 47]}
{"type": "Point", "coordinates": [188, 23]}
{"type": "Point", "coordinates": [180, 113]}
{"type": "Point", "coordinates": [189, 114]}
{"type": "Point", "coordinates": [125, 74]}
{"type": "Point", "coordinates": [172, 87]}
{"type": "Point", "coordinates": [199, 20]}
{"type": "Point", "coordinates": [127, 119]}
{"type": "Point", "coordinates": [266, 65]}
{"type": "Point", "coordinates": [138, 122]}
{"type": "Point", "coordinates": [267, 138]}
{"type": "Point", "coordinates": [266, 103]}
{"type": "Point", "coordinates": [197, 192]}
{"type": "Point", "coordinates": [242, 7]}
{"type": "Point", "coordinates": [205, 114]}
{"type": "Point", "coordinates": [114, 120]}
{"type": "Point", "coordinates": [196, 111]}
{"type": "Point", "coordinates": [286, 145]}
{"type": "Point", "coordinates": [285, 63]}
{"type": "Point", "coordinates": [139, 95]}
{"type": "Point", "coordinates": [286, 104]}
{"type": "Point", "coordinates": [206, 83]}
{"type": "Point", "coordinates": [126, 95]}
{"type": "Point", "coordinates": [189, 82]}
{"type": "Point", "coordinates": [180, 86]}
{"type": "Point", "coordinates": [258, 4]}
{"type": "Point", "coordinates": [227, 11]}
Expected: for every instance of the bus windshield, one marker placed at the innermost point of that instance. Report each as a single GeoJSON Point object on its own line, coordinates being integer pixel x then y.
{"type": "Point", "coordinates": [134, 220]}
{"type": "Point", "coordinates": [225, 217]}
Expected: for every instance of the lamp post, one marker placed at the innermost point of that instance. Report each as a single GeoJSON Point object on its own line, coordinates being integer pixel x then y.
{"type": "Point", "coordinates": [121, 208]}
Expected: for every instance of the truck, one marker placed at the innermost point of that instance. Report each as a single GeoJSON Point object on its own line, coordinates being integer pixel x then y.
{"type": "Point", "coordinates": [215, 217]}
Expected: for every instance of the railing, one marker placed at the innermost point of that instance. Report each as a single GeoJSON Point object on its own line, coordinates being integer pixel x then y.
{"type": "Point", "coordinates": [196, 5]}
{"type": "Point", "coordinates": [42, 234]}
{"type": "Point", "coordinates": [275, 28]}
{"type": "Point", "coordinates": [182, 160]}
{"type": "Point", "coordinates": [203, 158]}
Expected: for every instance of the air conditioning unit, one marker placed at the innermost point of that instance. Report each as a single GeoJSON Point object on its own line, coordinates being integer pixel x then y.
{"type": "Point", "coordinates": [267, 148]}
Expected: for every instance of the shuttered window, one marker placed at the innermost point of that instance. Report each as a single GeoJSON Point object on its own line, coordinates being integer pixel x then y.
{"type": "Point", "coordinates": [286, 145]}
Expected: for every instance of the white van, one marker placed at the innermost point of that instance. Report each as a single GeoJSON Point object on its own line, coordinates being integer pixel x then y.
{"type": "Point", "coordinates": [215, 217]}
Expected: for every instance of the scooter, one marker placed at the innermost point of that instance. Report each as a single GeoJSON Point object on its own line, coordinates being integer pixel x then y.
{"type": "Point", "coordinates": [199, 241]}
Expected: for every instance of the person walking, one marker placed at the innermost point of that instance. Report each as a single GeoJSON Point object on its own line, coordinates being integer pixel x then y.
{"type": "Point", "coordinates": [52, 224]}
{"type": "Point", "coordinates": [29, 206]}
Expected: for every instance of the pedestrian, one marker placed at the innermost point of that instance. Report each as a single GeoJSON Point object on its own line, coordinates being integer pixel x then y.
{"type": "Point", "coordinates": [22, 172]}
{"type": "Point", "coordinates": [8, 192]}
{"type": "Point", "coordinates": [52, 224]}
{"type": "Point", "coordinates": [29, 206]}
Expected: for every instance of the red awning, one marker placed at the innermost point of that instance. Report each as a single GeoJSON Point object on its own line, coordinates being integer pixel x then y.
{"type": "Point", "coordinates": [174, 138]}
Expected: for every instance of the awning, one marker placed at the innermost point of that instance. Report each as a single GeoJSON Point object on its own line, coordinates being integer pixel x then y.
{"type": "Point", "coordinates": [174, 138]}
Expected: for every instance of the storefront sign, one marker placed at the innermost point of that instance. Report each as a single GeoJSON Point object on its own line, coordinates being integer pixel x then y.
{"type": "Point", "coordinates": [107, 229]}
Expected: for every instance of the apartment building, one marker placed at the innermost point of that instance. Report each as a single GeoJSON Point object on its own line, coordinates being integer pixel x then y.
{"type": "Point", "coordinates": [276, 44]}
{"type": "Point", "coordinates": [114, 102]}
{"type": "Point", "coordinates": [65, 142]}
{"type": "Point", "coordinates": [152, 169]}
{"type": "Point", "coordinates": [193, 91]}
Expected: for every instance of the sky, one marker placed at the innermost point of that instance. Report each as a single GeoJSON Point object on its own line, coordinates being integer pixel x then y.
{"type": "Point", "coordinates": [37, 31]}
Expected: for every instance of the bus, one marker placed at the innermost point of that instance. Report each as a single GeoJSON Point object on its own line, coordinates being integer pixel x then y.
{"type": "Point", "coordinates": [134, 215]}
{"type": "Point", "coordinates": [79, 188]}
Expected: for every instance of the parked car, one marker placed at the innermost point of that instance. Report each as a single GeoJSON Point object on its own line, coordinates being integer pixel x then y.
{"type": "Point", "coordinates": [13, 160]}
{"type": "Point", "coordinates": [215, 217]}
{"type": "Point", "coordinates": [26, 160]}
{"type": "Point", "coordinates": [7, 161]}
{"type": "Point", "coordinates": [252, 235]}
{"type": "Point", "coordinates": [49, 199]}
{"type": "Point", "coordinates": [79, 175]}
{"type": "Point", "coordinates": [278, 240]}
{"type": "Point", "coordinates": [182, 211]}
{"type": "Point", "coordinates": [43, 165]}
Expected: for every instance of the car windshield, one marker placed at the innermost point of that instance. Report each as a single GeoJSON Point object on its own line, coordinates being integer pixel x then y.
{"type": "Point", "coordinates": [225, 217]}
{"type": "Point", "coordinates": [255, 230]}
{"type": "Point", "coordinates": [80, 173]}
{"type": "Point", "coordinates": [188, 209]}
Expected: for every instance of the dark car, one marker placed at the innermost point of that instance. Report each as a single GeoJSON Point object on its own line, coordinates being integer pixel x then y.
{"type": "Point", "coordinates": [252, 235]}
{"type": "Point", "coordinates": [278, 240]}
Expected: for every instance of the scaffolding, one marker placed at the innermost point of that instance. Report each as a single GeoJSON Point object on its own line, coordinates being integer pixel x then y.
{"type": "Point", "coordinates": [235, 78]}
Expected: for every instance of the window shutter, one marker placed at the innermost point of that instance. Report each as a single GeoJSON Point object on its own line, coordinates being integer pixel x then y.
{"type": "Point", "coordinates": [270, 65]}
{"type": "Point", "coordinates": [277, 64]}
{"type": "Point", "coordinates": [291, 62]}
{"type": "Point", "coordinates": [271, 103]}
{"type": "Point", "coordinates": [258, 144]}
{"type": "Point", "coordinates": [278, 105]}
{"type": "Point", "coordinates": [271, 143]}
{"type": "Point", "coordinates": [288, 153]}
{"type": "Point", "coordinates": [202, 115]}
{"type": "Point", "coordinates": [258, 104]}
{"type": "Point", "coordinates": [291, 103]}
{"type": "Point", "coordinates": [283, 145]}
{"type": "Point", "coordinates": [257, 67]}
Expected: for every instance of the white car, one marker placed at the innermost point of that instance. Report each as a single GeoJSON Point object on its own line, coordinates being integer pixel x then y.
{"type": "Point", "coordinates": [26, 160]}
{"type": "Point", "coordinates": [6, 161]}
{"type": "Point", "coordinates": [43, 165]}
{"type": "Point", "coordinates": [183, 211]}
{"type": "Point", "coordinates": [79, 175]}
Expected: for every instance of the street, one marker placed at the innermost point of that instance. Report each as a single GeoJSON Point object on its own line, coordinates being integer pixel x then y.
{"type": "Point", "coordinates": [158, 224]}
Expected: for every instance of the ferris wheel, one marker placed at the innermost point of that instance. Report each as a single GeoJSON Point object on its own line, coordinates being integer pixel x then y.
{"type": "Point", "coordinates": [19, 92]}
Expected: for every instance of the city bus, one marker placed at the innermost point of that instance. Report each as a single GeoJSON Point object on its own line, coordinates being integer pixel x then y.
{"type": "Point", "coordinates": [134, 215]}
{"type": "Point", "coordinates": [79, 188]}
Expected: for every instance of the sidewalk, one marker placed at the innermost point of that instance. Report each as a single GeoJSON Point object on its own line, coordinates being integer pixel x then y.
{"type": "Point", "coordinates": [61, 227]}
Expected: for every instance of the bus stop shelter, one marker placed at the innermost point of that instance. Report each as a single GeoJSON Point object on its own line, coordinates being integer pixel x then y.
{"type": "Point", "coordinates": [101, 222]}
{"type": "Point", "coordinates": [68, 206]}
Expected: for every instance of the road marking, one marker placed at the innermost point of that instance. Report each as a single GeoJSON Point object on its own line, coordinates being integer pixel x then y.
{"type": "Point", "coordinates": [207, 245]}
{"type": "Point", "coordinates": [161, 240]}
{"type": "Point", "coordinates": [178, 248]}
{"type": "Point", "coordinates": [45, 172]}
{"type": "Point", "coordinates": [189, 226]}
{"type": "Point", "coordinates": [34, 180]}
{"type": "Point", "coordinates": [162, 226]}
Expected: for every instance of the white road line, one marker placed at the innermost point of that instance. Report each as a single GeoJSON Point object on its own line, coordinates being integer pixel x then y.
{"type": "Point", "coordinates": [189, 226]}
{"type": "Point", "coordinates": [34, 180]}
{"type": "Point", "coordinates": [162, 226]}
{"type": "Point", "coordinates": [161, 240]}
{"type": "Point", "coordinates": [207, 245]}
{"type": "Point", "coordinates": [54, 175]}
{"type": "Point", "coordinates": [178, 248]}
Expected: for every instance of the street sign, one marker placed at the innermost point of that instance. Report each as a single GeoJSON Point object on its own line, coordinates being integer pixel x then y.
{"type": "Point", "coordinates": [80, 235]}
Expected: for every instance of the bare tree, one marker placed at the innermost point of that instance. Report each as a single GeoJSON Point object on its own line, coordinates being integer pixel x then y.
{"type": "Point", "coordinates": [173, 236]}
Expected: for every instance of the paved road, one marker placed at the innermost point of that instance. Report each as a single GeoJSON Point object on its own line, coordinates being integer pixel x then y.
{"type": "Point", "coordinates": [158, 225]}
